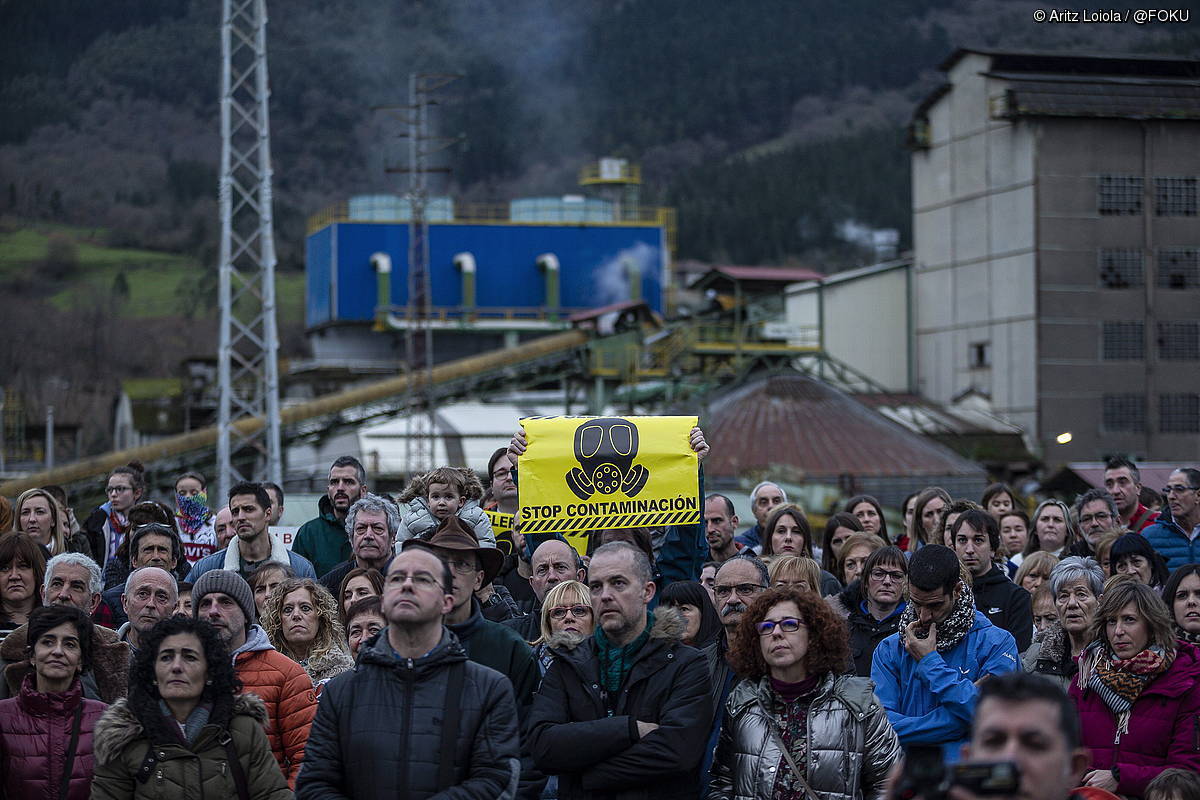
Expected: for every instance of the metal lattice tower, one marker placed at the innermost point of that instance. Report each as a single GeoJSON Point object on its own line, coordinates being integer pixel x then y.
{"type": "Point", "coordinates": [419, 423]}
{"type": "Point", "coordinates": [247, 370]}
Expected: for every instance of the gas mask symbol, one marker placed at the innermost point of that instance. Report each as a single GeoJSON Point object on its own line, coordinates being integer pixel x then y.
{"type": "Point", "coordinates": [606, 449]}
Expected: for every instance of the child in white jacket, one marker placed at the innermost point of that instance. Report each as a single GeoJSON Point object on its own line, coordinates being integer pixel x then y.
{"type": "Point", "coordinates": [433, 497]}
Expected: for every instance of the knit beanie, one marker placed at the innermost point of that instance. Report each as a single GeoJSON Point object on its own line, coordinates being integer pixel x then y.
{"type": "Point", "coordinates": [227, 582]}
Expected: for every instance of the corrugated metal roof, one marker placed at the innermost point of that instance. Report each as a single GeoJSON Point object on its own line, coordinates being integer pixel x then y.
{"type": "Point", "coordinates": [800, 425]}
{"type": "Point", "coordinates": [1150, 100]}
{"type": "Point", "coordinates": [783, 274]}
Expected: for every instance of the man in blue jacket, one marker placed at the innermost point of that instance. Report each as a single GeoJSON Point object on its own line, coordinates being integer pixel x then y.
{"type": "Point", "coordinates": [1178, 539]}
{"type": "Point", "coordinates": [927, 674]}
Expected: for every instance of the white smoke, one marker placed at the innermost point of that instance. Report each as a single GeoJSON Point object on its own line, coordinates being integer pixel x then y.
{"type": "Point", "coordinates": [611, 279]}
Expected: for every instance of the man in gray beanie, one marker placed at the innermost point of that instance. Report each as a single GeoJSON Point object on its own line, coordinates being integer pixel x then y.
{"type": "Point", "coordinates": [223, 599]}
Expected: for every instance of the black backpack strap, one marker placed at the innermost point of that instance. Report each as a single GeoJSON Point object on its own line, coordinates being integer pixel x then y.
{"type": "Point", "coordinates": [69, 762]}
{"type": "Point", "coordinates": [454, 688]}
{"type": "Point", "coordinates": [235, 766]}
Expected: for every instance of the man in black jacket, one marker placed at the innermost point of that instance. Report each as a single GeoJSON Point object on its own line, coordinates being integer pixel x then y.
{"type": "Point", "coordinates": [976, 538]}
{"type": "Point", "coordinates": [624, 714]}
{"type": "Point", "coordinates": [414, 718]}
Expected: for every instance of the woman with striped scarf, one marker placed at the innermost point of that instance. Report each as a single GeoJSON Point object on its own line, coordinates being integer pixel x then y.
{"type": "Point", "coordinates": [1138, 691]}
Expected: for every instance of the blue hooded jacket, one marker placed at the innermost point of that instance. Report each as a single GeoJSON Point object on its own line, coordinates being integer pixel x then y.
{"type": "Point", "coordinates": [933, 701]}
{"type": "Point", "coordinates": [1172, 543]}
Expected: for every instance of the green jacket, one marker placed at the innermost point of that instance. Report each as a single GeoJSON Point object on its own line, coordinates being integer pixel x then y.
{"type": "Point", "coordinates": [179, 772]}
{"type": "Point", "coordinates": [323, 540]}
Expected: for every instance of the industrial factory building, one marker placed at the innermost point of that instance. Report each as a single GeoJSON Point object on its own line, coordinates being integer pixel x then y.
{"type": "Point", "coordinates": [1057, 248]}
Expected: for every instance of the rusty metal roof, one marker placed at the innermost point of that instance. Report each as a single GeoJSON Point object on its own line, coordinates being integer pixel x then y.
{"type": "Point", "coordinates": [796, 425]}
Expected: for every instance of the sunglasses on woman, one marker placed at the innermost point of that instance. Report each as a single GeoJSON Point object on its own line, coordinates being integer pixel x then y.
{"type": "Point", "coordinates": [579, 612]}
{"type": "Point", "coordinates": [787, 625]}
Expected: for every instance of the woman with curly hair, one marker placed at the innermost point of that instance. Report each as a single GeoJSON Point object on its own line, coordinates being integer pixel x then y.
{"type": "Point", "coordinates": [796, 727]}
{"type": "Point", "coordinates": [184, 731]}
{"type": "Point", "coordinates": [303, 622]}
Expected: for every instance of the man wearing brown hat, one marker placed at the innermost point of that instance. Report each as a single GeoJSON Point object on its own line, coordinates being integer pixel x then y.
{"type": "Point", "coordinates": [488, 643]}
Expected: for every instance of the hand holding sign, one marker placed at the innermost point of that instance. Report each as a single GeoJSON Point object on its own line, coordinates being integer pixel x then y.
{"type": "Point", "coordinates": [581, 474]}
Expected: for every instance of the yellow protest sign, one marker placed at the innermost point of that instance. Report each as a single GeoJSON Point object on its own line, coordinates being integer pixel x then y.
{"type": "Point", "coordinates": [502, 526]}
{"type": "Point", "coordinates": [582, 474]}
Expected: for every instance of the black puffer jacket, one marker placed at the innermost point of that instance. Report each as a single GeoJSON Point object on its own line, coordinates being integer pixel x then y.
{"type": "Point", "coordinates": [379, 727]}
{"type": "Point", "coordinates": [599, 756]}
{"type": "Point", "coordinates": [866, 632]}
{"type": "Point", "coordinates": [1005, 604]}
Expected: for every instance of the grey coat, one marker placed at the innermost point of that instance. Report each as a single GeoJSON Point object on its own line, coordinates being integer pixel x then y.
{"type": "Point", "coordinates": [851, 745]}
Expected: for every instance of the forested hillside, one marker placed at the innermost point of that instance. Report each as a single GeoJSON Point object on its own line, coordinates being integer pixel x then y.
{"type": "Point", "coordinates": [766, 122]}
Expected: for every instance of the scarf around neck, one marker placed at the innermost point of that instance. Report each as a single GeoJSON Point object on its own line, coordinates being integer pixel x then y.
{"type": "Point", "coordinates": [615, 662]}
{"type": "Point", "coordinates": [1120, 681]}
{"type": "Point", "coordinates": [118, 525]}
{"type": "Point", "coordinates": [951, 630]}
{"type": "Point", "coordinates": [191, 512]}
{"type": "Point", "coordinates": [196, 720]}
{"type": "Point", "coordinates": [1185, 636]}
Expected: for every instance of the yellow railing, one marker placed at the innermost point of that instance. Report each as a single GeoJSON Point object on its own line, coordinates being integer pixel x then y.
{"type": "Point", "coordinates": [499, 214]}
{"type": "Point", "coordinates": [625, 173]}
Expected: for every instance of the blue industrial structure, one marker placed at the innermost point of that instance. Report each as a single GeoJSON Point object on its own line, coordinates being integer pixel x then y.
{"type": "Point", "coordinates": [595, 263]}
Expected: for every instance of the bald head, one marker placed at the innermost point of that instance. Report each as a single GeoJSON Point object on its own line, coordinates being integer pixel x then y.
{"type": "Point", "coordinates": [553, 562]}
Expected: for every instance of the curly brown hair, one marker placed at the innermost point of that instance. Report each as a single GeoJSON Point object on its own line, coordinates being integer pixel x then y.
{"type": "Point", "coordinates": [828, 647]}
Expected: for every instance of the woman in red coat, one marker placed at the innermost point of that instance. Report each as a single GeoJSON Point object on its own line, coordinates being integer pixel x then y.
{"type": "Point", "coordinates": [46, 730]}
{"type": "Point", "coordinates": [1138, 692]}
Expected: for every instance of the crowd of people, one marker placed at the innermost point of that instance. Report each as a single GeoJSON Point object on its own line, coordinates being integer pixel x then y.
{"type": "Point", "coordinates": [419, 646]}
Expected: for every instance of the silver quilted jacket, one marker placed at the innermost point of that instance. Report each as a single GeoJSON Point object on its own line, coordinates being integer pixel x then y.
{"type": "Point", "coordinates": [851, 744]}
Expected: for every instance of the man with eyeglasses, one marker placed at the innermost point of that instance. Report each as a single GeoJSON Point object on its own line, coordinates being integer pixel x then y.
{"type": "Point", "coordinates": [1123, 481]}
{"type": "Point", "coordinates": [1096, 511]}
{"type": "Point", "coordinates": [485, 642]}
{"type": "Point", "coordinates": [1175, 539]}
{"type": "Point", "coordinates": [738, 581]}
{"type": "Point", "coordinates": [415, 717]}
{"type": "Point", "coordinates": [622, 714]}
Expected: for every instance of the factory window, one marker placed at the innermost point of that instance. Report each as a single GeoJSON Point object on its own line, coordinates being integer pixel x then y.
{"type": "Point", "coordinates": [1124, 413]}
{"type": "Point", "coordinates": [1179, 413]}
{"type": "Point", "coordinates": [1179, 268]}
{"type": "Point", "coordinates": [1120, 194]}
{"type": "Point", "coordinates": [981, 355]}
{"type": "Point", "coordinates": [1121, 269]}
{"type": "Point", "coordinates": [1175, 197]}
{"type": "Point", "coordinates": [1179, 341]}
{"type": "Point", "coordinates": [1124, 341]}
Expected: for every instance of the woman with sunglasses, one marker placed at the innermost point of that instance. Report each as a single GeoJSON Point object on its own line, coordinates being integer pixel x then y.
{"type": "Point", "coordinates": [567, 619]}
{"type": "Point", "coordinates": [796, 727]}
